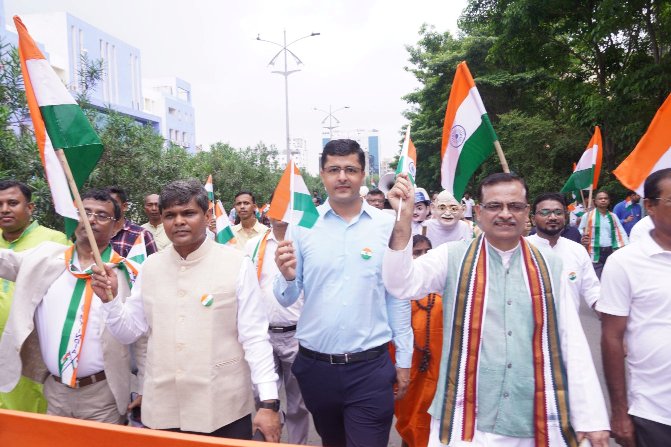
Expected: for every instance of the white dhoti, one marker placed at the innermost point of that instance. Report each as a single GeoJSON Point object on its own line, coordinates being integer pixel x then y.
{"type": "Point", "coordinates": [480, 439]}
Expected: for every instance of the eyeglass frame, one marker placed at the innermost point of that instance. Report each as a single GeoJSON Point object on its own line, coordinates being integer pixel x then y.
{"type": "Point", "coordinates": [545, 212]}
{"type": "Point", "coordinates": [98, 218]}
{"type": "Point", "coordinates": [511, 207]}
{"type": "Point", "coordinates": [349, 171]}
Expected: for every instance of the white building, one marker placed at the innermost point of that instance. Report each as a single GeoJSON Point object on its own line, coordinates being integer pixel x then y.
{"type": "Point", "coordinates": [69, 39]}
{"type": "Point", "coordinates": [299, 153]}
{"type": "Point", "coordinates": [164, 104]}
{"type": "Point", "coordinates": [170, 99]}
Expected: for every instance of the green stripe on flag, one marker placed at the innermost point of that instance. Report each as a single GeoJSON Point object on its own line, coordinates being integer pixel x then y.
{"type": "Point", "coordinates": [579, 180]}
{"type": "Point", "coordinates": [224, 235]}
{"type": "Point", "coordinates": [303, 202]}
{"type": "Point", "coordinates": [477, 148]}
{"type": "Point", "coordinates": [69, 129]}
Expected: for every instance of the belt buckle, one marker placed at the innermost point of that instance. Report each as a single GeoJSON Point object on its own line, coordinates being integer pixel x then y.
{"type": "Point", "coordinates": [331, 356]}
{"type": "Point", "coordinates": [276, 330]}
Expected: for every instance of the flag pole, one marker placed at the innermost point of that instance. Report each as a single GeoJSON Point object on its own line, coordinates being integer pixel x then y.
{"type": "Point", "coordinates": [589, 200]}
{"type": "Point", "coordinates": [502, 157]}
{"type": "Point", "coordinates": [582, 196]}
{"type": "Point", "coordinates": [82, 213]}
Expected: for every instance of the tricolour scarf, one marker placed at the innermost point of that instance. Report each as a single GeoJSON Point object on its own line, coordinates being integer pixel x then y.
{"type": "Point", "coordinates": [550, 413]}
{"type": "Point", "coordinates": [76, 319]}
{"type": "Point", "coordinates": [618, 238]}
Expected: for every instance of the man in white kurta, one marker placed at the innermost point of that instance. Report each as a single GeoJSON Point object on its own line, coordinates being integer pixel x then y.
{"type": "Point", "coordinates": [200, 304]}
{"type": "Point", "coordinates": [505, 374]}
{"type": "Point", "coordinates": [549, 217]}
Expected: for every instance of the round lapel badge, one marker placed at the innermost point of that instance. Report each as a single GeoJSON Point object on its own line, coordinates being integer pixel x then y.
{"type": "Point", "coordinates": [206, 300]}
{"type": "Point", "coordinates": [572, 276]}
{"type": "Point", "coordinates": [366, 253]}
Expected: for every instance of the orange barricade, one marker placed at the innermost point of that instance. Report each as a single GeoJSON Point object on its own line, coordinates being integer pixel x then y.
{"type": "Point", "coordinates": [18, 428]}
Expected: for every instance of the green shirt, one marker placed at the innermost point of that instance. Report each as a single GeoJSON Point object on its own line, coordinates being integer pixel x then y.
{"type": "Point", "coordinates": [27, 395]}
{"type": "Point", "coordinates": [506, 373]}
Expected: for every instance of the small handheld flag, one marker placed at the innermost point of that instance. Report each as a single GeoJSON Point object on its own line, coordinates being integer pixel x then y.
{"type": "Point", "coordinates": [292, 202]}
{"type": "Point", "coordinates": [224, 231]}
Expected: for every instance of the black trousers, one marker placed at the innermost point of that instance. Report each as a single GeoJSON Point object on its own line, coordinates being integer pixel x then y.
{"type": "Point", "coordinates": [352, 405]}
{"type": "Point", "coordinates": [240, 429]}
{"type": "Point", "coordinates": [650, 433]}
{"type": "Point", "coordinates": [603, 255]}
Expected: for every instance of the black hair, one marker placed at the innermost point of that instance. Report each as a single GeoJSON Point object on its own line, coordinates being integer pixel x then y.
{"type": "Point", "coordinates": [341, 148]}
{"type": "Point", "coordinates": [501, 177]}
{"type": "Point", "coordinates": [651, 187]}
{"type": "Point", "coordinates": [557, 197]}
{"type": "Point", "coordinates": [119, 191]}
{"type": "Point", "coordinates": [102, 195]}
{"type": "Point", "coordinates": [6, 184]}
{"type": "Point", "coordinates": [249, 193]}
{"type": "Point", "coordinates": [418, 239]}
{"type": "Point", "coordinates": [375, 192]}
{"type": "Point", "coordinates": [180, 192]}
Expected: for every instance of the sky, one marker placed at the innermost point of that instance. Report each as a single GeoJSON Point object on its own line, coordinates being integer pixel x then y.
{"type": "Point", "coordinates": [357, 60]}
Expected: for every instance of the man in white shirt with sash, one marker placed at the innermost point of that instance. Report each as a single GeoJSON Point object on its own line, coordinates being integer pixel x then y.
{"type": "Point", "coordinates": [282, 327]}
{"type": "Point", "coordinates": [200, 304]}
{"type": "Point", "coordinates": [56, 331]}
{"type": "Point", "coordinates": [549, 216]}
{"type": "Point", "coordinates": [515, 358]}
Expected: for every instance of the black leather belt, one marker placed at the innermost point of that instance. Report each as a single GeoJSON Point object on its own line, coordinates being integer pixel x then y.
{"type": "Point", "coordinates": [343, 359]}
{"type": "Point", "coordinates": [281, 329]}
{"type": "Point", "coordinates": [84, 381]}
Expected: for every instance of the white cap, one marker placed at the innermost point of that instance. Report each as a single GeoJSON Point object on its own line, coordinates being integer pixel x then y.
{"type": "Point", "coordinates": [421, 195]}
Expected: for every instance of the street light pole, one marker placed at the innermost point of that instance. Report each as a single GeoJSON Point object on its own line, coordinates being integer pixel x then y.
{"type": "Point", "coordinates": [330, 116]}
{"type": "Point", "coordinates": [286, 72]}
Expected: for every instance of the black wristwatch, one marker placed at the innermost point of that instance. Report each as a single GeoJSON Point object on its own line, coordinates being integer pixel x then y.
{"type": "Point", "coordinates": [273, 404]}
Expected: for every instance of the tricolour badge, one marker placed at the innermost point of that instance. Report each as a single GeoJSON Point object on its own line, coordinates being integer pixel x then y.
{"type": "Point", "coordinates": [366, 253]}
{"type": "Point", "coordinates": [572, 276]}
{"type": "Point", "coordinates": [206, 300]}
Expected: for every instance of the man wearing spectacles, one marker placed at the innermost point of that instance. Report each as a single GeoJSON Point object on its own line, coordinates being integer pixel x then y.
{"type": "Point", "coordinates": [55, 315]}
{"type": "Point", "coordinates": [510, 327]}
{"type": "Point", "coordinates": [343, 364]}
{"type": "Point", "coordinates": [635, 305]}
{"type": "Point", "coordinates": [375, 198]}
{"type": "Point", "coordinates": [549, 215]}
{"type": "Point", "coordinates": [446, 223]}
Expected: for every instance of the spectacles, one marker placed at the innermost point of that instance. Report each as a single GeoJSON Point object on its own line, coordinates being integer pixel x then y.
{"type": "Point", "coordinates": [666, 200]}
{"type": "Point", "coordinates": [350, 171]}
{"type": "Point", "coordinates": [443, 208]}
{"type": "Point", "coordinates": [497, 207]}
{"type": "Point", "coordinates": [99, 217]}
{"type": "Point", "coordinates": [546, 212]}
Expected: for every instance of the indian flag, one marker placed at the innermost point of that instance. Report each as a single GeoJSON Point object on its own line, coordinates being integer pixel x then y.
{"type": "Point", "coordinates": [586, 171]}
{"type": "Point", "coordinates": [60, 125]}
{"type": "Point", "coordinates": [468, 135]}
{"type": "Point", "coordinates": [224, 231]}
{"type": "Point", "coordinates": [292, 202]}
{"type": "Point", "coordinates": [210, 192]}
{"type": "Point", "coordinates": [138, 252]}
{"type": "Point", "coordinates": [651, 154]}
{"type": "Point", "coordinates": [407, 163]}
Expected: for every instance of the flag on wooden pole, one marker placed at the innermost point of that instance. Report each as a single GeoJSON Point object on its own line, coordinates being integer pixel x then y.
{"type": "Point", "coordinates": [407, 162]}
{"type": "Point", "coordinates": [224, 231]}
{"type": "Point", "coordinates": [59, 124]}
{"type": "Point", "coordinates": [652, 153]}
{"type": "Point", "coordinates": [209, 187]}
{"type": "Point", "coordinates": [468, 135]}
{"type": "Point", "coordinates": [586, 172]}
{"type": "Point", "coordinates": [292, 202]}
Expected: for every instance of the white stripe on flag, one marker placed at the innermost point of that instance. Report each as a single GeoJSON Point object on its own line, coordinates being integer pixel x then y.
{"type": "Point", "coordinates": [48, 87]}
{"type": "Point", "coordinates": [60, 191]}
{"type": "Point", "coordinates": [663, 163]}
{"type": "Point", "coordinates": [469, 116]}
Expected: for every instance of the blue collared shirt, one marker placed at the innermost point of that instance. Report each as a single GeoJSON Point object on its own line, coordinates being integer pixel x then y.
{"type": "Point", "coordinates": [339, 265]}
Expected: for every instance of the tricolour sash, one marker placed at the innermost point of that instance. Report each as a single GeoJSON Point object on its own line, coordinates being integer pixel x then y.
{"type": "Point", "coordinates": [76, 319]}
{"type": "Point", "coordinates": [618, 238]}
{"type": "Point", "coordinates": [550, 413]}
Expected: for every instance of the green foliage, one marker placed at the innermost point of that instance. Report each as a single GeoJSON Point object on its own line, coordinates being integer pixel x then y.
{"type": "Point", "coordinates": [548, 71]}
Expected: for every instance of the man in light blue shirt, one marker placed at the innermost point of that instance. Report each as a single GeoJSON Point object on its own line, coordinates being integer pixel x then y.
{"type": "Point", "coordinates": [343, 368]}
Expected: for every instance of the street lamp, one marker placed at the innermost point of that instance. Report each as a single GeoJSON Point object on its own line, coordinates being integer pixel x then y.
{"type": "Point", "coordinates": [329, 116]}
{"type": "Point", "coordinates": [286, 72]}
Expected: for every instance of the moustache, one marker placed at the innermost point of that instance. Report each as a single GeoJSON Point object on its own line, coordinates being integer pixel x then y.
{"type": "Point", "coordinates": [505, 221]}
